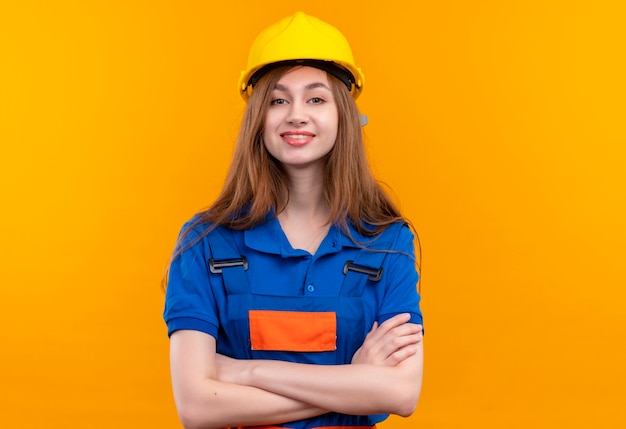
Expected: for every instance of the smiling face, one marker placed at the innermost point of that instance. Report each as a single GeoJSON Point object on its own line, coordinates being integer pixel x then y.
{"type": "Point", "coordinates": [301, 123]}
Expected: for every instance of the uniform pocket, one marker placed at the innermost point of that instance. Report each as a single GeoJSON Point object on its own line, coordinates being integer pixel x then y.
{"type": "Point", "coordinates": [293, 331]}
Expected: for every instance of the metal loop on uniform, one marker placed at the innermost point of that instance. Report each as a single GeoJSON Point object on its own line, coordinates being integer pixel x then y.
{"type": "Point", "coordinates": [373, 274]}
{"type": "Point", "coordinates": [216, 266]}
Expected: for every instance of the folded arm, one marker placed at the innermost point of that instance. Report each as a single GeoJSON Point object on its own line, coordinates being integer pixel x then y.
{"type": "Point", "coordinates": [203, 401]}
{"type": "Point", "coordinates": [384, 377]}
{"type": "Point", "coordinates": [213, 391]}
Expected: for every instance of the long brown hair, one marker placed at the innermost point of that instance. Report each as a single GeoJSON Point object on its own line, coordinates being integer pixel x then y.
{"type": "Point", "coordinates": [256, 183]}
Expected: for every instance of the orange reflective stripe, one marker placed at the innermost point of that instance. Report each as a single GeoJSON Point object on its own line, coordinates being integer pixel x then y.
{"type": "Point", "coordinates": [293, 331]}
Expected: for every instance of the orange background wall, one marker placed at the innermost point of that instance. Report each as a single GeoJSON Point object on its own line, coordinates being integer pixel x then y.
{"type": "Point", "coordinates": [499, 124]}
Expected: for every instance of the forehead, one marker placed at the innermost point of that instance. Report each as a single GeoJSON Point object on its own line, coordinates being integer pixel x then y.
{"type": "Point", "coordinates": [303, 76]}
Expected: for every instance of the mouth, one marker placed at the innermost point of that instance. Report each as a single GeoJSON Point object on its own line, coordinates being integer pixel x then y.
{"type": "Point", "coordinates": [298, 135]}
{"type": "Point", "coordinates": [297, 139]}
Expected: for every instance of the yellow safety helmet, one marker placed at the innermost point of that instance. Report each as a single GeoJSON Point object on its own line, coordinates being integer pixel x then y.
{"type": "Point", "coordinates": [306, 40]}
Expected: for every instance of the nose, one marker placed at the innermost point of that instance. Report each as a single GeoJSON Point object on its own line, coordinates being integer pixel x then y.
{"type": "Point", "coordinates": [297, 114]}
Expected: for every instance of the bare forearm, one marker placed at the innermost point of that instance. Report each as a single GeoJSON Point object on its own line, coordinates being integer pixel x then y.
{"type": "Point", "coordinates": [204, 401]}
{"type": "Point", "coordinates": [216, 405]}
{"type": "Point", "coordinates": [349, 389]}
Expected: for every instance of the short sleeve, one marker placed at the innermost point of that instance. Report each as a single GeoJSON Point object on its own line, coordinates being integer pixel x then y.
{"type": "Point", "coordinates": [401, 277]}
{"type": "Point", "coordinates": [189, 299]}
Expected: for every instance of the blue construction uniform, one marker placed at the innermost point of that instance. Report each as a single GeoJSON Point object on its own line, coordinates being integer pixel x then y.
{"type": "Point", "coordinates": [237, 285]}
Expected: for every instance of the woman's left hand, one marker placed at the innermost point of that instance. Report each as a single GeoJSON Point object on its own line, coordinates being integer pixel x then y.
{"type": "Point", "coordinates": [390, 343]}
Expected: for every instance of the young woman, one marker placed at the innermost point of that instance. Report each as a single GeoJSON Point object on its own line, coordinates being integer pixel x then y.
{"type": "Point", "coordinates": [292, 301]}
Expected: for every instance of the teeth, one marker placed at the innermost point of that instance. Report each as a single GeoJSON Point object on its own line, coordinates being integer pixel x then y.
{"type": "Point", "coordinates": [296, 136]}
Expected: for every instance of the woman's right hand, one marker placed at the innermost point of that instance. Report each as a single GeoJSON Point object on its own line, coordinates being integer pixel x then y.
{"type": "Point", "coordinates": [390, 343]}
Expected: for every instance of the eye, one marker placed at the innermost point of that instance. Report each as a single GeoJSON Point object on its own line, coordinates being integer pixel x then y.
{"type": "Point", "coordinates": [316, 100]}
{"type": "Point", "coordinates": [276, 101]}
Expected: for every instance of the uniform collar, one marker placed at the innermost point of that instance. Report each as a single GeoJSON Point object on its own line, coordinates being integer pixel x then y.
{"type": "Point", "coordinates": [268, 237]}
{"type": "Point", "coordinates": [363, 240]}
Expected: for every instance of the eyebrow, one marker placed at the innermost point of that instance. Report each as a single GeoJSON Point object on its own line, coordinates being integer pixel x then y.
{"type": "Point", "coordinates": [310, 86]}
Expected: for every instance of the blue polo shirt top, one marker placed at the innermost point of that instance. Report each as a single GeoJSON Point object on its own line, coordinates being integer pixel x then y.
{"type": "Point", "coordinates": [196, 299]}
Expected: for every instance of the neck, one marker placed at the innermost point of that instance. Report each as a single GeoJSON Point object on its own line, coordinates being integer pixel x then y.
{"type": "Point", "coordinates": [306, 196]}
{"type": "Point", "coordinates": [305, 218]}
